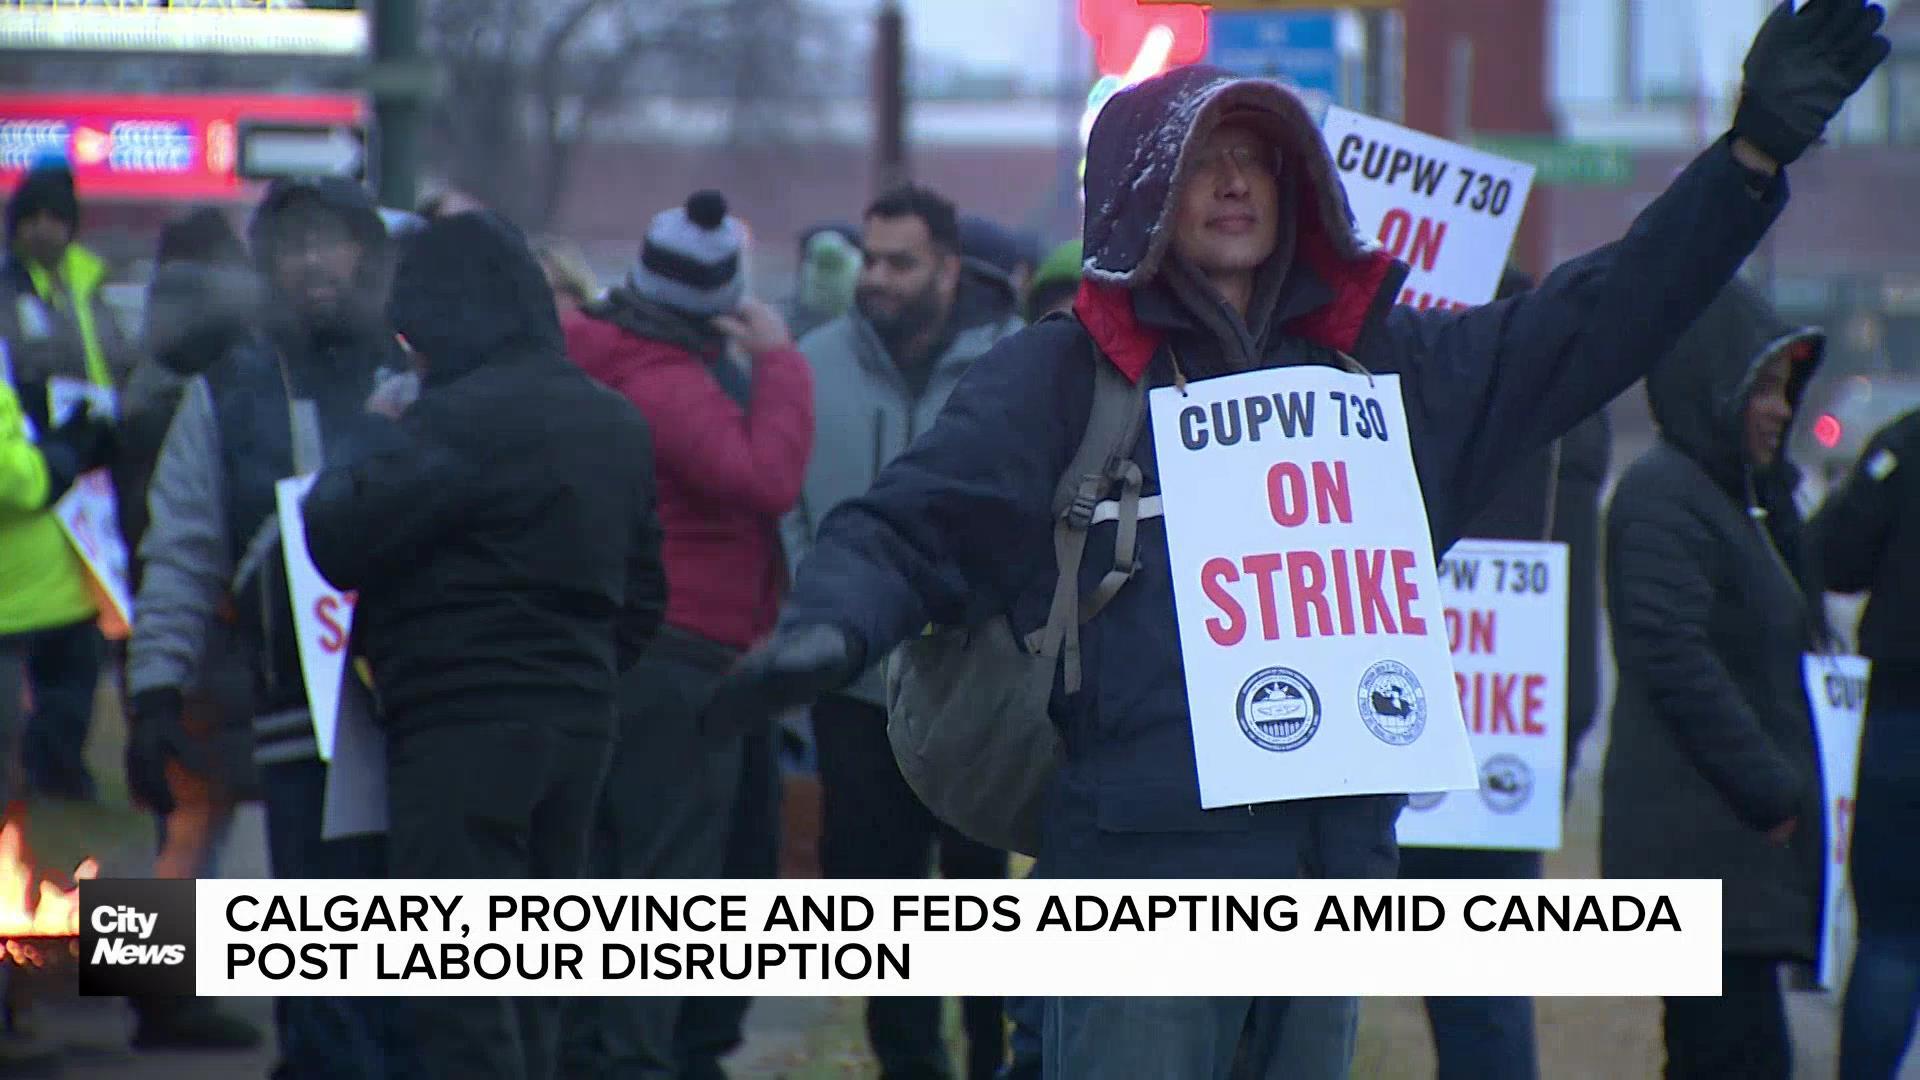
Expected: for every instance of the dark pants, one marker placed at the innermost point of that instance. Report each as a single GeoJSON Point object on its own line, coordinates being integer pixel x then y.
{"type": "Point", "coordinates": [710, 1028]}
{"type": "Point", "coordinates": [1485, 1038]}
{"type": "Point", "coordinates": [507, 800]}
{"type": "Point", "coordinates": [1299, 1038]}
{"type": "Point", "coordinates": [1740, 1035]}
{"type": "Point", "coordinates": [348, 1038]}
{"type": "Point", "coordinates": [63, 668]}
{"type": "Point", "coordinates": [1883, 990]}
{"type": "Point", "coordinates": [665, 814]}
{"type": "Point", "coordinates": [875, 827]}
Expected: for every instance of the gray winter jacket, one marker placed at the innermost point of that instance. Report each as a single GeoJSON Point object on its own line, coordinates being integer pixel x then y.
{"type": "Point", "coordinates": [865, 414]}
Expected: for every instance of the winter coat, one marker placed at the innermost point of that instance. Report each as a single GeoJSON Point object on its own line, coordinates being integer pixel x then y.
{"type": "Point", "coordinates": [1866, 536]}
{"type": "Point", "coordinates": [213, 541]}
{"type": "Point", "coordinates": [49, 332]}
{"type": "Point", "coordinates": [502, 534]}
{"type": "Point", "coordinates": [42, 581]}
{"type": "Point", "coordinates": [960, 526]}
{"type": "Point", "coordinates": [729, 451]}
{"type": "Point", "coordinates": [1712, 741]}
{"type": "Point", "coordinates": [866, 414]}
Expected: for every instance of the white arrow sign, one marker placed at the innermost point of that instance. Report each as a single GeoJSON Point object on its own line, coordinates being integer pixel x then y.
{"type": "Point", "coordinates": [333, 151]}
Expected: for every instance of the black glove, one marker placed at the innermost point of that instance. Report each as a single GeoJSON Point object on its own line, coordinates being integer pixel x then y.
{"type": "Point", "coordinates": [1802, 67]}
{"type": "Point", "coordinates": [791, 669]}
{"type": "Point", "coordinates": [156, 735]}
{"type": "Point", "coordinates": [83, 443]}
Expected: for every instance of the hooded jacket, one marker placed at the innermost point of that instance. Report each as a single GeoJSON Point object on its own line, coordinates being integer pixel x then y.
{"type": "Point", "coordinates": [866, 413]}
{"type": "Point", "coordinates": [959, 527]}
{"type": "Point", "coordinates": [283, 400]}
{"type": "Point", "coordinates": [729, 449]}
{"type": "Point", "coordinates": [1710, 620]}
{"type": "Point", "coordinates": [504, 570]}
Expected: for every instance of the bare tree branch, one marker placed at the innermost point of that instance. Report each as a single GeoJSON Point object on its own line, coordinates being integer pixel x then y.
{"type": "Point", "coordinates": [528, 81]}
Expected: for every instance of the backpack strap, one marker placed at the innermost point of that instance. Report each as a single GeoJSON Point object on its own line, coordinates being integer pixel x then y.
{"type": "Point", "coordinates": [1102, 462]}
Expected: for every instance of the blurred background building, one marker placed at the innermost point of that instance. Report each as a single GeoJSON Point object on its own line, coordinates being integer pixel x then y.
{"type": "Point", "coordinates": [584, 117]}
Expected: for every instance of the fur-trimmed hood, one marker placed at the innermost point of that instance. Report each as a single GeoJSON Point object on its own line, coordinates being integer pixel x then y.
{"type": "Point", "coordinates": [1138, 155]}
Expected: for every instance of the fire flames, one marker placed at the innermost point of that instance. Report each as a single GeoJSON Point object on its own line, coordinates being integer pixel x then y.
{"type": "Point", "coordinates": [54, 913]}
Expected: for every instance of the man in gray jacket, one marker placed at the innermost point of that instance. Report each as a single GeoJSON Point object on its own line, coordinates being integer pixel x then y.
{"type": "Point", "coordinates": [882, 372]}
{"type": "Point", "coordinates": [282, 400]}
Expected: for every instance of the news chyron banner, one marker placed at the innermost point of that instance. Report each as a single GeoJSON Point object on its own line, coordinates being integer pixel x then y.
{"type": "Point", "coordinates": [1448, 211]}
{"type": "Point", "coordinates": [1506, 603]}
{"type": "Point", "coordinates": [1312, 634]}
{"type": "Point", "coordinates": [893, 938]}
{"type": "Point", "coordinates": [1837, 690]}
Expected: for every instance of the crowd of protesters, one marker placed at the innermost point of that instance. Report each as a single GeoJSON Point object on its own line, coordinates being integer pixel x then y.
{"type": "Point", "coordinates": [608, 543]}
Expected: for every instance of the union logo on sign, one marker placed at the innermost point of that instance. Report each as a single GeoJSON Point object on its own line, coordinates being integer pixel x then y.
{"type": "Point", "coordinates": [1393, 705]}
{"type": "Point", "coordinates": [1278, 709]}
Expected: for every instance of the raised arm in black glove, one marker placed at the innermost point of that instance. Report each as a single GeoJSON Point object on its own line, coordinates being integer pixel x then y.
{"type": "Point", "coordinates": [795, 666]}
{"type": "Point", "coordinates": [157, 734]}
{"type": "Point", "coordinates": [1802, 67]}
{"type": "Point", "coordinates": [83, 443]}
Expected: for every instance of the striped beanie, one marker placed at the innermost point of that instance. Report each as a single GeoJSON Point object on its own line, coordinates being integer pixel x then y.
{"type": "Point", "coordinates": [690, 261]}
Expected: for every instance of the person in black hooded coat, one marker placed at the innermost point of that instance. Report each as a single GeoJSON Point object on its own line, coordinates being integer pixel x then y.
{"type": "Point", "coordinates": [1216, 225]}
{"type": "Point", "coordinates": [506, 577]}
{"type": "Point", "coordinates": [1712, 764]}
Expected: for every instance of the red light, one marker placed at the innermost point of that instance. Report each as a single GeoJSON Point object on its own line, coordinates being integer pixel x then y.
{"type": "Point", "coordinates": [1828, 431]}
{"type": "Point", "coordinates": [1119, 28]}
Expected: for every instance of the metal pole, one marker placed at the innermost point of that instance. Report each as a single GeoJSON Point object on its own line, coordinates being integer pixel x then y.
{"type": "Point", "coordinates": [398, 107]}
{"type": "Point", "coordinates": [1374, 74]}
{"type": "Point", "coordinates": [890, 97]}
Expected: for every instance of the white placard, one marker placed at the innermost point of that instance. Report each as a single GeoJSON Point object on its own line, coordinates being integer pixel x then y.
{"type": "Point", "coordinates": [90, 514]}
{"type": "Point", "coordinates": [1837, 690]}
{"type": "Point", "coordinates": [64, 394]}
{"type": "Point", "coordinates": [322, 615]}
{"type": "Point", "coordinates": [89, 511]}
{"type": "Point", "coordinates": [1507, 629]}
{"type": "Point", "coordinates": [1450, 212]}
{"type": "Point", "coordinates": [1311, 627]}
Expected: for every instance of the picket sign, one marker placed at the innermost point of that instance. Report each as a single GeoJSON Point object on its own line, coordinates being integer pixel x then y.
{"type": "Point", "coordinates": [322, 615]}
{"type": "Point", "coordinates": [1507, 629]}
{"type": "Point", "coordinates": [1837, 690]}
{"type": "Point", "coordinates": [1450, 212]}
{"type": "Point", "coordinates": [89, 512]}
{"type": "Point", "coordinates": [1311, 629]}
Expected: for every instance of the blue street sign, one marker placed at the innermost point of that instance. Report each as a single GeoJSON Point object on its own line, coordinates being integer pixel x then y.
{"type": "Point", "coordinates": [1295, 46]}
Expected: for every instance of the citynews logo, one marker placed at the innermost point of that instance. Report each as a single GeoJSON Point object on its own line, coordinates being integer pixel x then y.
{"type": "Point", "coordinates": [136, 938]}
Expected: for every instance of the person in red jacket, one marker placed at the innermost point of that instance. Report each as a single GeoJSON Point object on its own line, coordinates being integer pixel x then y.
{"type": "Point", "coordinates": [731, 443]}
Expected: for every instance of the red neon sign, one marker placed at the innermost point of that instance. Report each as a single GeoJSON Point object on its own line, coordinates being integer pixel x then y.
{"type": "Point", "coordinates": [1119, 29]}
{"type": "Point", "coordinates": [151, 146]}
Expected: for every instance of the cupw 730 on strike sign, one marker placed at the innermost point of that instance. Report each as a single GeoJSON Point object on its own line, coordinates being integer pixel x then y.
{"type": "Point", "coordinates": [1312, 634]}
{"type": "Point", "coordinates": [1507, 629]}
{"type": "Point", "coordinates": [1837, 690]}
{"type": "Point", "coordinates": [1448, 211]}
